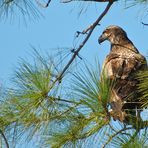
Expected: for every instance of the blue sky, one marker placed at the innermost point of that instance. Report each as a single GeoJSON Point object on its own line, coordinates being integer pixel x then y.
{"type": "Point", "coordinates": [57, 29]}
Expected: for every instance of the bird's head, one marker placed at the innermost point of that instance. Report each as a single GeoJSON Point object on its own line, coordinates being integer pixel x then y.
{"type": "Point", "coordinates": [113, 34]}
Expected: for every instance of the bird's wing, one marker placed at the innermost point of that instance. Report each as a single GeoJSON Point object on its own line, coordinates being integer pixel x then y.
{"type": "Point", "coordinates": [113, 65]}
{"type": "Point", "coordinates": [122, 70]}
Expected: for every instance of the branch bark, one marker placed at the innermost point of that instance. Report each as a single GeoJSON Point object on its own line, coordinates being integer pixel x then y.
{"type": "Point", "coordinates": [68, 1]}
{"type": "Point", "coordinates": [144, 24]}
{"type": "Point", "coordinates": [43, 5]}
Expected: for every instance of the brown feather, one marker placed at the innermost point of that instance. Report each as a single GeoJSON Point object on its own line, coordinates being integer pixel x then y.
{"type": "Point", "coordinates": [121, 66]}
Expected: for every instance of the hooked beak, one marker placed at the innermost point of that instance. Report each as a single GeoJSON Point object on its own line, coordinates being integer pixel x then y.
{"type": "Point", "coordinates": [102, 38]}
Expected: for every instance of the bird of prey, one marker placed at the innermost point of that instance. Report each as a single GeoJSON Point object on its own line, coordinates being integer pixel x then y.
{"type": "Point", "coordinates": [120, 67]}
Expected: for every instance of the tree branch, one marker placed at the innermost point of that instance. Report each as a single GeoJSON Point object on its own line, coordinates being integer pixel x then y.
{"type": "Point", "coordinates": [43, 5]}
{"type": "Point", "coordinates": [62, 100]}
{"type": "Point", "coordinates": [144, 24]}
{"type": "Point", "coordinates": [5, 139]}
{"type": "Point", "coordinates": [112, 136]}
{"type": "Point", "coordinates": [60, 76]}
{"type": "Point", "coordinates": [68, 1]}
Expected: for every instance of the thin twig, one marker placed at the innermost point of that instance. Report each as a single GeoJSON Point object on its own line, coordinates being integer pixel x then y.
{"type": "Point", "coordinates": [62, 100]}
{"type": "Point", "coordinates": [43, 5]}
{"type": "Point", "coordinates": [66, 111]}
{"type": "Point", "coordinates": [112, 136]}
{"type": "Point", "coordinates": [60, 76]}
{"type": "Point", "coordinates": [5, 139]}
{"type": "Point", "coordinates": [87, 29]}
{"type": "Point", "coordinates": [144, 24]}
{"type": "Point", "coordinates": [68, 1]}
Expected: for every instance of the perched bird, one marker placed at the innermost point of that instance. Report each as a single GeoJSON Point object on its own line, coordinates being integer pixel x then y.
{"type": "Point", "coordinates": [120, 67]}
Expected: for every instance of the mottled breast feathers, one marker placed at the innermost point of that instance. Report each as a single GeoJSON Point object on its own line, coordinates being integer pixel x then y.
{"type": "Point", "coordinates": [121, 66]}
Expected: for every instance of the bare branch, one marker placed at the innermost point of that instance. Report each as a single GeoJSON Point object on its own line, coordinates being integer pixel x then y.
{"type": "Point", "coordinates": [114, 135]}
{"type": "Point", "coordinates": [43, 5]}
{"type": "Point", "coordinates": [75, 54]}
{"type": "Point", "coordinates": [68, 1]}
{"type": "Point", "coordinates": [62, 100]}
{"type": "Point", "coordinates": [5, 139]}
{"type": "Point", "coordinates": [144, 24]}
{"type": "Point", "coordinates": [87, 29]}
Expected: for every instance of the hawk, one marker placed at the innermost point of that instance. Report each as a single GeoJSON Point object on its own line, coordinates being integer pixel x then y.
{"type": "Point", "coordinates": [120, 67]}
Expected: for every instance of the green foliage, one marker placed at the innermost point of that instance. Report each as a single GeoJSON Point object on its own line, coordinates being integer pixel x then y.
{"type": "Point", "coordinates": [36, 105]}
{"type": "Point", "coordinates": [31, 104]}
{"type": "Point", "coordinates": [86, 88]}
{"type": "Point", "coordinates": [143, 86]}
{"type": "Point", "coordinates": [91, 88]}
{"type": "Point", "coordinates": [18, 8]}
{"type": "Point", "coordinates": [73, 117]}
{"type": "Point", "coordinates": [135, 141]}
{"type": "Point", "coordinates": [29, 10]}
{"type": "Point", "coordinates": [36, 108]}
